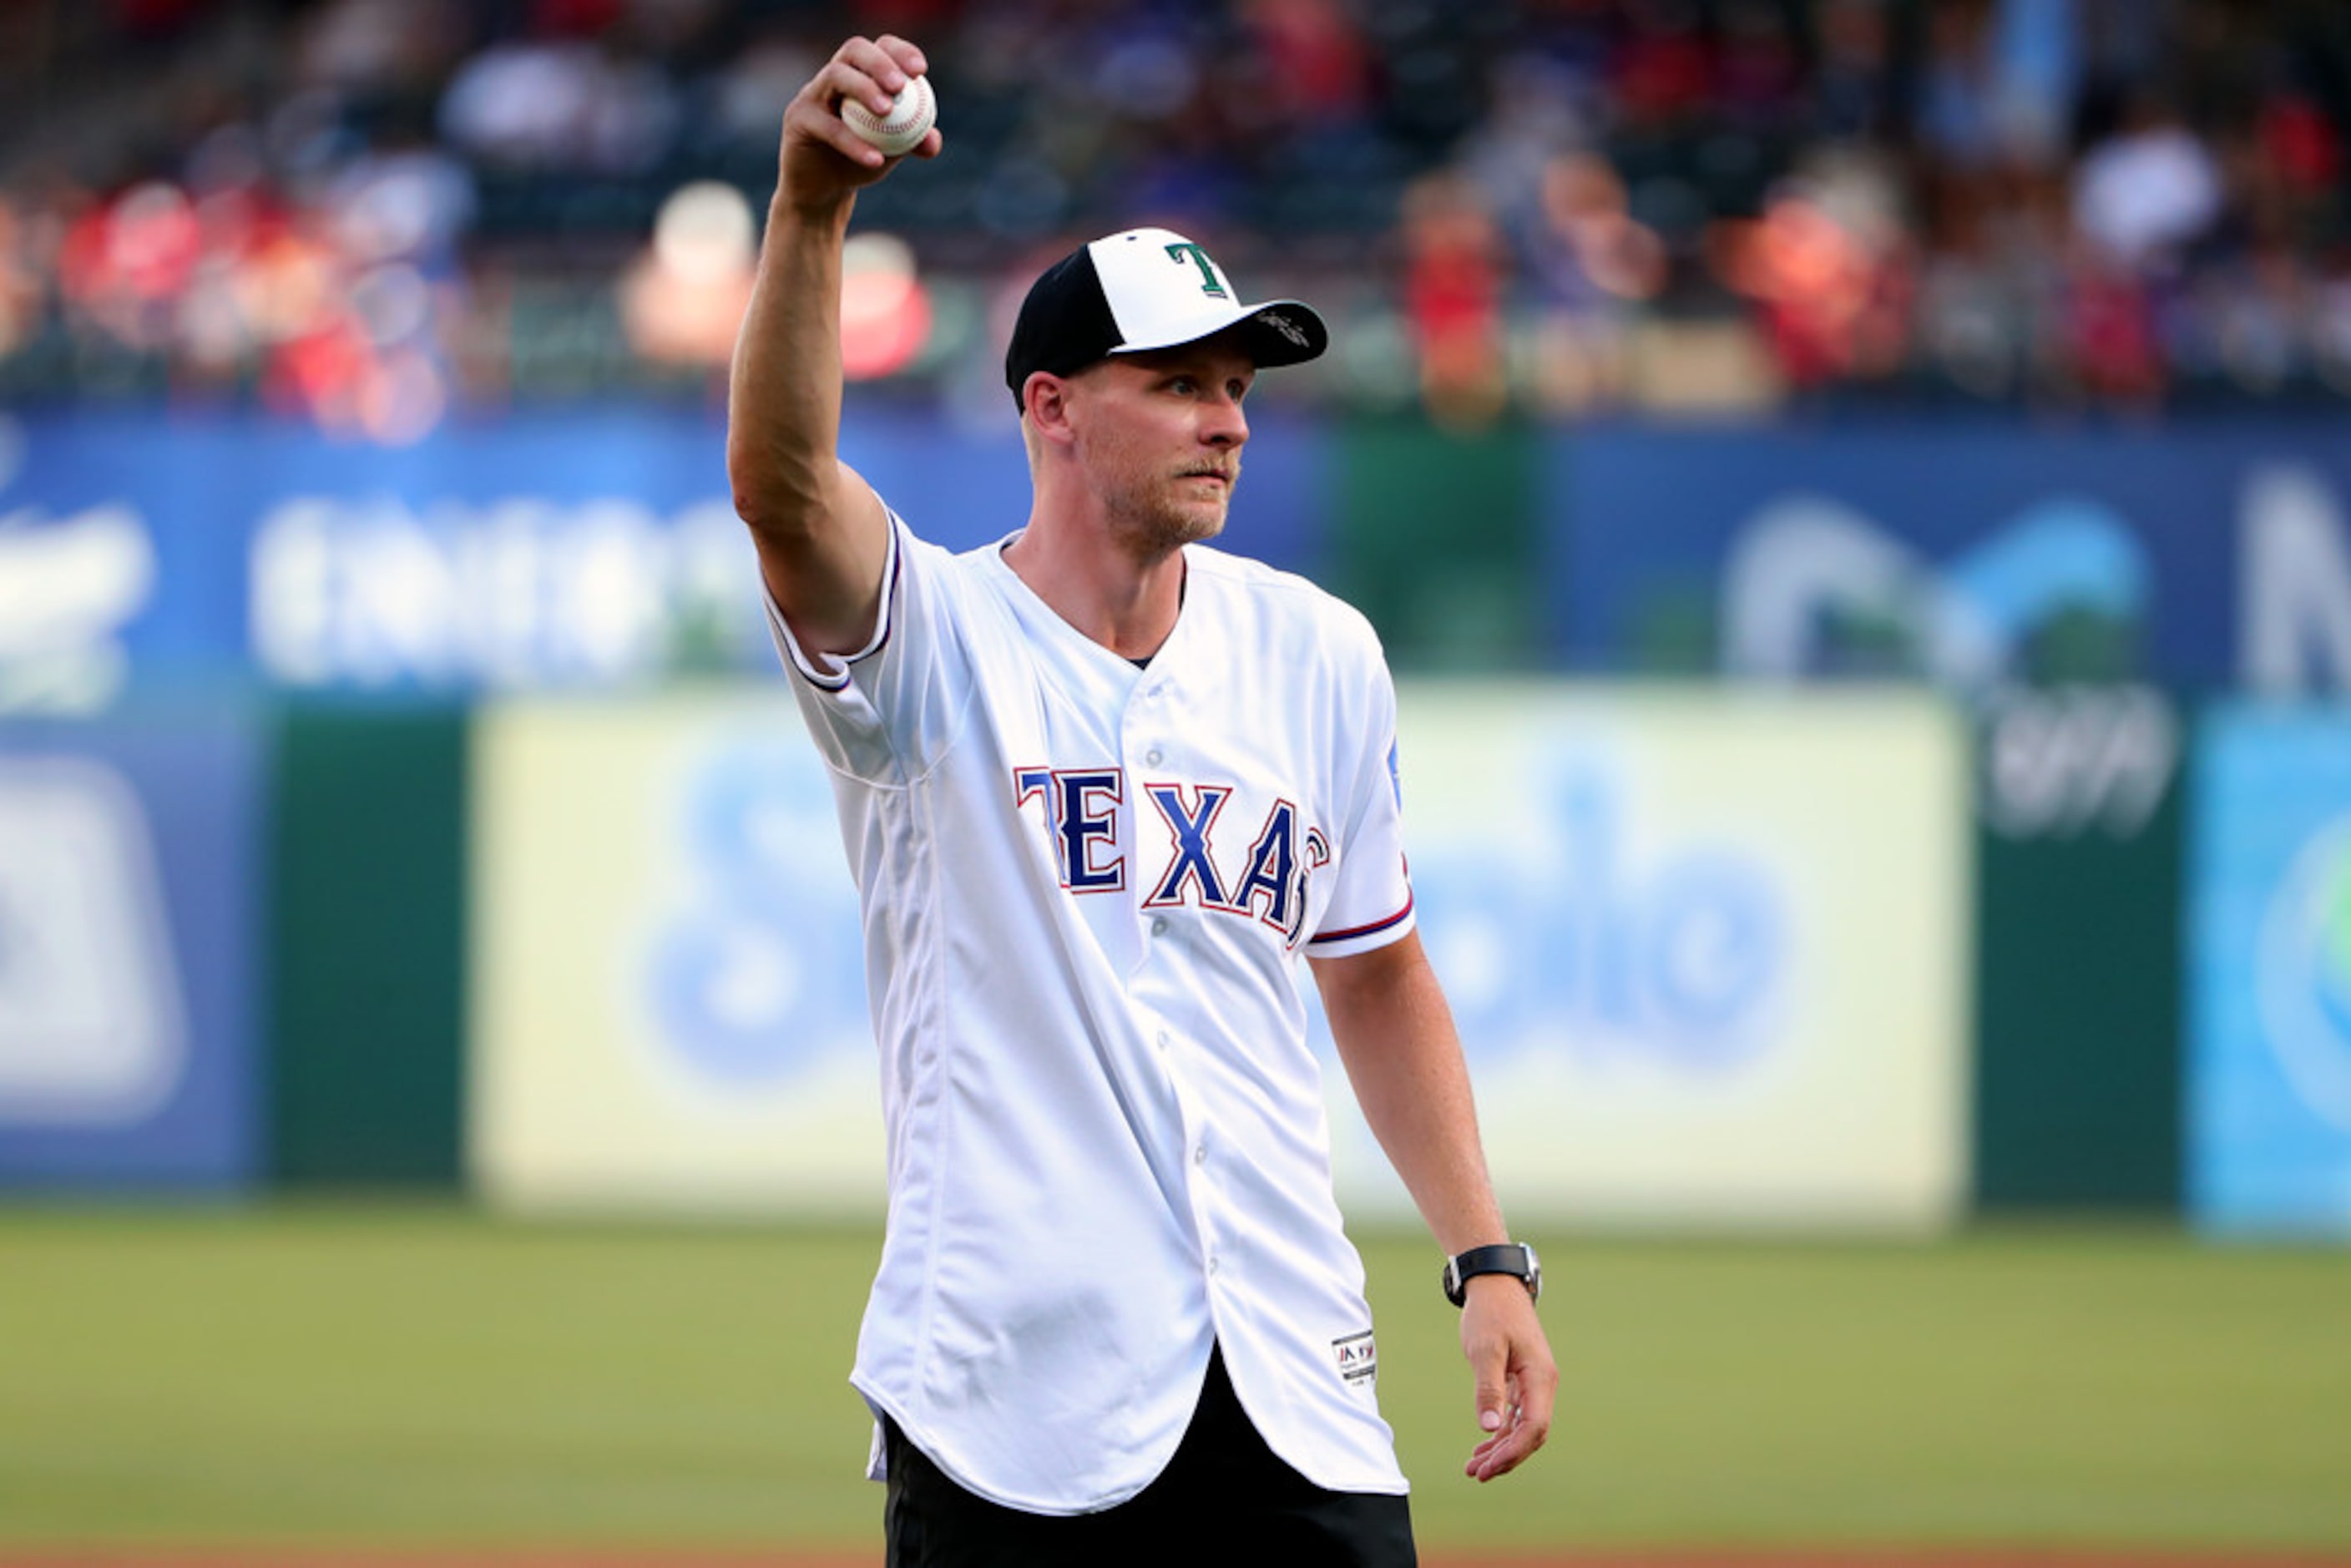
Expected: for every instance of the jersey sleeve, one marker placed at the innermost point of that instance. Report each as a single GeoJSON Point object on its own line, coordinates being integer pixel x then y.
{"type": "Point", "coordinates": [1371, 902]}
{"type": "Point", "coordinates": [887, 712]}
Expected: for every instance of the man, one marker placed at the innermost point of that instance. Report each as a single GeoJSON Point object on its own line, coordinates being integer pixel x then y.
{"type": "Point", "coordinates": [1101, 785]}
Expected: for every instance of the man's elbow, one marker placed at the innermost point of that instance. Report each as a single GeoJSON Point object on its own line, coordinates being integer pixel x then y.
{"type": "Point", "coordinates": [753, 486]}
{"type": "Point", "coordinates": [770, 507]}
{"type": "Point", "coordinates": [757, 509]}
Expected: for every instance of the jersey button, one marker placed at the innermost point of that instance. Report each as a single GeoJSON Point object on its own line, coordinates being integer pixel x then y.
{"type": "Point", "coordinates": [1155, 756]}
{"type": "Point", "coordinates": [1159, 925]}
{"type": "Point", "coordinates": [1212, 1262]}
{"type": "Point", "coordinates": [1199, 1153]}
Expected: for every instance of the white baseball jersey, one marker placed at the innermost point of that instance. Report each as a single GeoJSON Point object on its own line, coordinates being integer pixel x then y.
{"type": "Point", "coordinates": [1085, 889]}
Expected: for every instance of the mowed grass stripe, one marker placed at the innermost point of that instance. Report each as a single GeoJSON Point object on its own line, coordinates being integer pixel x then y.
{"type": "Point", "coordinates": [2071, 1387]}
{"type": "Point", "coordinates": [427, 1375]}
{"type": "Point", "coordinates": [397, 1374]}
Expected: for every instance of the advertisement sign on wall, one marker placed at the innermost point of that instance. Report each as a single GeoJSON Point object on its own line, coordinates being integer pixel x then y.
{"type": "Point", "coordinates": [2197, 559]}
{"type": "Point", "coordinates": [2269, 981]}
{"type": "Point", "coordinates": [127, 894]}
{"type": "Point", "coordinates": [1708, 953]}
{"type": "Point", "coordinates": [668, 1008]}
{"type": "Point", "coordinates": [596, 548]}
{"type": "Point", "coordinates": [1708, 956]}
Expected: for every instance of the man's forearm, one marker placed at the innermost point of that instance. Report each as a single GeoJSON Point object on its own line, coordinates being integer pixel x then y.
{"type": "Point", "coordinates": [821, 533]}
{"type": "Point", "coordinates": [1396, 1039]}
{"type": "Point", "coordinates": [783, 413]}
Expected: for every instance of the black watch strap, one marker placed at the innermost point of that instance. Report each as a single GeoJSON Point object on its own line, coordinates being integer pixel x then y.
{"type": "Point", "coordinates": [1512, 1258]}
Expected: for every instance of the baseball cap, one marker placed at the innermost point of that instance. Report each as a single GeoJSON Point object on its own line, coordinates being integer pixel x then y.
{"type": "Point", "coordinates": [1141, 290]}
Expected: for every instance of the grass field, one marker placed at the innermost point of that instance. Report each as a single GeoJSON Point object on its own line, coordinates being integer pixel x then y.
{"type": "Point", "coordinates": [399, 1374]}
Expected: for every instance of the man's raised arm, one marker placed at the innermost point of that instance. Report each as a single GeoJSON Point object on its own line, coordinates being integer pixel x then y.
{"type": "Point", "coordinates": [820, 531]}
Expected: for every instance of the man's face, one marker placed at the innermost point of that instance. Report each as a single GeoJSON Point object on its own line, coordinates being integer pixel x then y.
{"type": "Point", "coordinates": [1160, 437]}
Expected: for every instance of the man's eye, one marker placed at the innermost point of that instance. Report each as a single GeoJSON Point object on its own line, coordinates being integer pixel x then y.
{"type": "Point", "coordinates": [1181, 384]}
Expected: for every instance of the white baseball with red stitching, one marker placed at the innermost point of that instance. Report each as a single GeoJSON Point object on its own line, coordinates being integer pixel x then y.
{"type": "Point", "coordinates": [912, 115]}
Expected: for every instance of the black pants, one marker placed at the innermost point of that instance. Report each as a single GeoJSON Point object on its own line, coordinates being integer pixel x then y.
{"type": "Point", "coordinates": [1225, 1500]}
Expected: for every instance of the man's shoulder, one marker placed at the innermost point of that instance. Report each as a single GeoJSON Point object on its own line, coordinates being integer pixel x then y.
{"type": "Point", "coordinates": [1280, 601]}
{"type": "Point", "coordinates": [963, 557]}
{"type": "Point", "coordinates": [954, 571]}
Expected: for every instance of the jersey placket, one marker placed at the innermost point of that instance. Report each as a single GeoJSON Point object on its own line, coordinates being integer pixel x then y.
{"type": "Point", "coordinates": [1153, 716]}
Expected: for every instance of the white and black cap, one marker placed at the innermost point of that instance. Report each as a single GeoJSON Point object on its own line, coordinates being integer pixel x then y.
{"type": "Point", "coordinates": [1142, 290]}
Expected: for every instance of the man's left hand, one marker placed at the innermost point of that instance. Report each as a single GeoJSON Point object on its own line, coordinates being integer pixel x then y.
{"type": "Point", "coordinates": [1516, 1374]}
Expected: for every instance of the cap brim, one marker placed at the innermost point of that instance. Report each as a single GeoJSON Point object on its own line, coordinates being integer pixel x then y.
{"type": "Point", "coordinates": [1276, 332]}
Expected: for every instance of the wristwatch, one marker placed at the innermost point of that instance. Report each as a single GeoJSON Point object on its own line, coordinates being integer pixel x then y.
{"type": "Point", "coordinates": [1514, 1257]}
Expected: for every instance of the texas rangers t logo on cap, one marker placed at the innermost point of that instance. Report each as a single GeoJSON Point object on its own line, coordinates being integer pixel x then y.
{"type": "Point", "coordinates": [1211, 283]}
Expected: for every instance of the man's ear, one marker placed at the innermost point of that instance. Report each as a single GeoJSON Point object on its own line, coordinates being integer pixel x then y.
{"type": "Point", "coordinates": [1047, 399]}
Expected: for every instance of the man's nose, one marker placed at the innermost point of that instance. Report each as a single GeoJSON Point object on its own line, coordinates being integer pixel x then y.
{"type": "Point", "coordinates": [1227, 425]}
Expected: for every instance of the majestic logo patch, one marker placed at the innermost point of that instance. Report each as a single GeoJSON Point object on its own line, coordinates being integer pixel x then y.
{"type": "Point", "coordinates": [1359, 1360]}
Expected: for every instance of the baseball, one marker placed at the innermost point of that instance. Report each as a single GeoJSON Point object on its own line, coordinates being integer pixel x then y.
{"type": "Point", "coordinates": [912, 114]}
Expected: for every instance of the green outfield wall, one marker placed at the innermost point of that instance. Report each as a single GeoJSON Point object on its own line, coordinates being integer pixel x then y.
{"type": "Point", "coordinates": [1435, 534]}
{"type": "Point", "coordinates": [2078, 938]}
{"type": "Point", "coordinates": [368, 918]}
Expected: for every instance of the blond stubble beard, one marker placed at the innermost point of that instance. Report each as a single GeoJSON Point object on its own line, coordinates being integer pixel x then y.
{"type": "Point", "coordinates": [1152, 526]}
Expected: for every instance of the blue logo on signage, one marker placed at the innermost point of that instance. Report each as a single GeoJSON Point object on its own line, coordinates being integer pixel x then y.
{"type": "Point", "coordinates": [752, 983]}
{"type": "Point", "coordinates": [2267, 1092]}
{"type": "Point", "coordinates": [1597, 945]}
{"type": "Point", "coordinates": [1811, 586]}
{"type": "Point", "coordinates": [2305, 973]}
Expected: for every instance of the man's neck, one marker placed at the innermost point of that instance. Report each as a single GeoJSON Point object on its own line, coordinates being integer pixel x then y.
{"type": "Point", "coordinates": [1127, 605]}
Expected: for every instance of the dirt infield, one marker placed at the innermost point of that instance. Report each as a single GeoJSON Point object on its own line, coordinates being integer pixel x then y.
{"type": "Point", "coordinates": [1784, 1557]}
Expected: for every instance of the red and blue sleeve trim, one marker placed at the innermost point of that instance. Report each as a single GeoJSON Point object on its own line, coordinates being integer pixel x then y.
{"type": "Point", "coordinates": [1372, 929]}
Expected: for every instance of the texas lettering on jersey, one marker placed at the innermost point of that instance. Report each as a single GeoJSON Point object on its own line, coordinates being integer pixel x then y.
{"type": "Point", "coordinates": [1266, 882]}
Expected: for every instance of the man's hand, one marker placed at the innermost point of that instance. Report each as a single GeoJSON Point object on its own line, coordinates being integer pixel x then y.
{"type": "Point", "coordinates": [1516, 1374]}
{"type": "Point", "coordinates": [823, 162]}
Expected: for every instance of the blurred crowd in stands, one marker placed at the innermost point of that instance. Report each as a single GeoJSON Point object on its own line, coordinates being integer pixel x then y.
{"type": "Point", "coordinates": [381, 213]}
